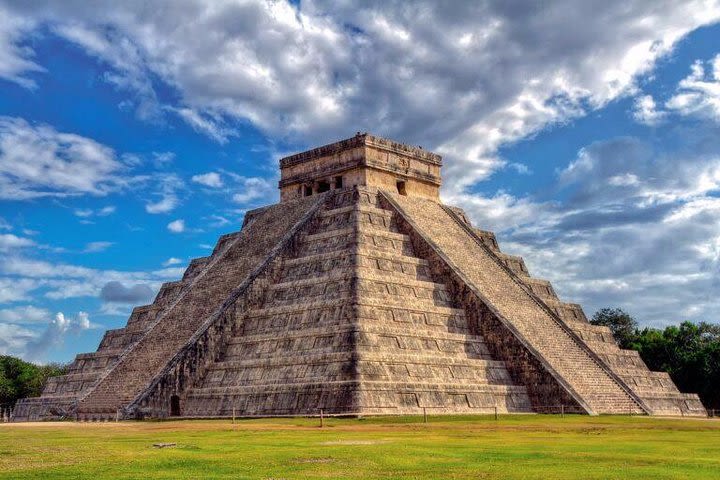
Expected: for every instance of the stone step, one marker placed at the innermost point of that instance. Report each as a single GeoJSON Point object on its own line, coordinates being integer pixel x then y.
{"type": "Point", "coordinates": [541, 288]}
{"type": "Point", "coordinates": [514, 263]}
{"type": "Point", "coordinates": [379, 385]}
{"type": "Point", "coordinates": [311, 357]}
{"type": "Point", "coordinates": [344, 238]}
{"type": "Point", "coordinates": [348, 258]}
{"type": "Point", "coordinates": [488, 239]}
{"type": "Point", "coordinates": [402, 288]}
{"type": "Point", "coordinates": [357, 208]}
{"type": "Point", "coordinates": [339, 311]}
{"type": "Point", "coordinates": [365, 327]}
{"type": "Point", "coordinates": [348, 216]}
{"type": "Point", "coordinates": [368, 284]}
{"type": "Point", "coordinates": [195, 267]}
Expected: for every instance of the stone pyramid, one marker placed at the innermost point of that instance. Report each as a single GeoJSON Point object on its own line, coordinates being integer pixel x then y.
{"type": "Point", "coordinates": [359, 293]}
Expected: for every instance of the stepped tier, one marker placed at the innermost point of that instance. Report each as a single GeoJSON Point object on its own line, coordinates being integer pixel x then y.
{"type": "Point", "coordinates": [107, 376]}
{"type": "Point", "coordinates": [333, 332]}
{"type": "Point", "coordinates": [655, 389]}
{"type": "Point", "coordinates": [352, 299]}
{"type": "Point", "coordinates": [570, 363]}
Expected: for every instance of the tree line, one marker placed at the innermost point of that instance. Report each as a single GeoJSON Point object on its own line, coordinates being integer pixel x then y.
{"type": "Point", "coordinates": [20, 379]}
{"type": "Point", "coordinates": [689, 352]}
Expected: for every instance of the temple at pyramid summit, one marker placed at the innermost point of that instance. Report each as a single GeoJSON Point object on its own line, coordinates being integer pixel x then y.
{"type": "Point", "coordinates": [360, 293]}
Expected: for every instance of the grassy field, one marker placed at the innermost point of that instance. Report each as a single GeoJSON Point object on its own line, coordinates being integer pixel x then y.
{"type": "Point", "coordinates": [523, 447]}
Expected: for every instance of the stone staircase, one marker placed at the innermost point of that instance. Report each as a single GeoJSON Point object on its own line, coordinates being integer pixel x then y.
{"type": "Point", "coordinates": [60, 395]}
{"type": "Point", "coordinates": [205, 287]}
{"type": "Point", "coordinates": [517, 300]}
{"type": "Point", "coordinates": [656, 389]}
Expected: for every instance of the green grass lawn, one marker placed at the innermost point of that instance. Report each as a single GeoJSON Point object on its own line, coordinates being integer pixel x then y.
{"type": "Point", "coordinates": [523, 447]}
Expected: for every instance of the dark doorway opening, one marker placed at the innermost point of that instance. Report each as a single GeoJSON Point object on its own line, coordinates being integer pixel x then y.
{"type": "Point", "coordinates": [174, 406]}
{"type": "Point", "coordinates": [308, 190]}
{"type": "Point", "coordinates": [323, 187]}
{"type": "Point", "coordinates": [401, 187]}
{"type": "Point", "coordinates": [338, 182]}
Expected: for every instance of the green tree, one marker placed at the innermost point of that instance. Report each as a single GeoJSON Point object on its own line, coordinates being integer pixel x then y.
{"type": "Point", "coordinates": [689, 352]}
{"type": "Point", "coordinates": [20, 379]}
{"type": "Point", "coordinates": [623, 326]}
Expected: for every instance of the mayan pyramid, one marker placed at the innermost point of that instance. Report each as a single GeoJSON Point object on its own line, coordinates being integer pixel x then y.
{"type": "Point", "coordinates": [360, 293]}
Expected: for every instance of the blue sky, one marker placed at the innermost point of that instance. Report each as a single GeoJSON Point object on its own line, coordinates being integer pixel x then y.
{"type": "Point", "coordinates": [132, 136]}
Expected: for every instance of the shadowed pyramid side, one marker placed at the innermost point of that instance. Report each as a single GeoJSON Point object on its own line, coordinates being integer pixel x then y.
{"type": "Point", "coordinates": [573, 365]}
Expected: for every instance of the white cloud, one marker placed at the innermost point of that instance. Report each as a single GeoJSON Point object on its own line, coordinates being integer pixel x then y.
{"type": "Point", "coordinates": [8, 241]}
{"type": "Point", "coordinates": [16, 289]}
{"type": "Point", "coordinates": [172, 261]}
{"type": "Point", "coordinates": [250, 189]}
{"type": "Point", "coordinates": [55, 333]}
{"type": "Point", "coordinates": [210, 179]}
{"type": "Point", "coordinates": [699, 93]}
{"type": "Point", "coordinates": [176, 226]}
{"type": "Point", "coordinates": [463, 79]}
{"type": "Point", "coordinates": [27, 314]}
{"type": "Point", "coordinates": [162, 159]}
{"type": "Point", "coordinates": [14, 338]}
{"type": "Point", "coordinates": [520, 168]}
{"type": "Point", "coordinates": [89, 212]}
{"type": "Point", "coordinates": [93, 247]}
{"type": "Point", "coordinates": [4, 225]}
{"type": "Point", "coordinates": [645, 111]}
{"type": "Point", "coordinates": [124, 56]}
{"type": "Point", "coordinates": [15, 59]}
{"type": "Point", "coordinates": [22, 277]}
{"type": "Point", "coordinates": [169, 185]}
{"type": "Point", "coordinates": [218, 221]}
{"type": "Point", "coordinates": [165, 204]}
{"type": "Point", "coordinates": [636, 228]}
{"type": "Point", "coordinates": [22, 339]}
{"type": "Point", "coordinates": [83, 212]}
{"type": "Point", "coordinates": [38, 161]}
{"type": "Point", "coordinates": [211, 127]}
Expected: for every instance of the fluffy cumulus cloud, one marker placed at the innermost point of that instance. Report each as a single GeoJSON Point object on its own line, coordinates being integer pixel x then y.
{"type": "Point", "coordinates": [38, 161]}
{"type": "Point", "coordinates": [166, 198]}
{"type": "Point", "coordinates": [55, 333]}
{"type": "Point", "coordinates": [18, 335]}
{"type": "Point", "coordinates": [8, 241]}
{"type": "Point", "coordinates": [249, 190]}
{"type": "Point", "coordinates": [176, 226]}
{"type": "Point", "coordinates": [645, 111]}
{"type": "Point", "coordinates": [699, 93]}
{"type": "Point", "coordinates": [463, 79]}
{"type": "Point", "coordinates": [210, 179]}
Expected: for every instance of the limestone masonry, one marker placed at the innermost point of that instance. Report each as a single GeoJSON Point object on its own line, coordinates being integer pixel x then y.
{"type": "Point", "coordinates": [360, 293]}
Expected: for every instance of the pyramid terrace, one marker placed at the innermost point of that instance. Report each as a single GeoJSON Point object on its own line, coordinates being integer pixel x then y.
{"type": "Point", "coordinates": [360, 293]}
